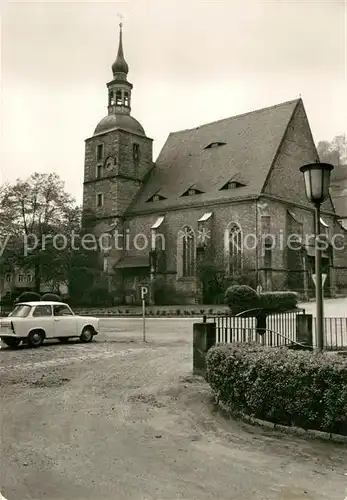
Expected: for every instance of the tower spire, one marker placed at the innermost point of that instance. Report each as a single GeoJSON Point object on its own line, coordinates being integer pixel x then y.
{"type": "Point", "coordinates": [120, 67]}
{"type": "Point", "coordinates": [119, 90]}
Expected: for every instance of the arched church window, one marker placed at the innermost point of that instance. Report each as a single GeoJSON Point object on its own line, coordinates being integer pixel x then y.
{"type": "Point", "coordinates": [111, 98]}
{"type": "Point", "coordinates": [126, 98]}
{"type": "Point", "coordinates": [233, 249]}
{"type": "Point", "coordinates": [186, 252]}
{"type": "Point", "coordinates": [119, 98]}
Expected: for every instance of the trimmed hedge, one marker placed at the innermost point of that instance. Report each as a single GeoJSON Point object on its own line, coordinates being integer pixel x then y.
{"type": "Point", "coordinates": [242, 298]}
{"type": "Point", "coordinates": [28, 297]}
{"type": "Point", "coordinates": [52, 297]}
{"type": "Point", "coordinates": [278, 301]}
{"type": "Point", "coordinates": [292, 388]}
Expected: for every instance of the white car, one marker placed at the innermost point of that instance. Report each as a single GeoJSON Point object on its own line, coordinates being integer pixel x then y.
{"type": "Point", "coordinates": [33, 322]}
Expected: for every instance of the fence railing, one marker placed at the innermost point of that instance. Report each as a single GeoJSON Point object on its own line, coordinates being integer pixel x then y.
{"type": "Point", "coordinates": [335, 333]}
{"type": "Point", "coordinates": [281, 330]}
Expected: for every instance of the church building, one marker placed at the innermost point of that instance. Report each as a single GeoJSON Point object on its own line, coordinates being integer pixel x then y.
{"type": "Point", "coordinates": [228, 192]}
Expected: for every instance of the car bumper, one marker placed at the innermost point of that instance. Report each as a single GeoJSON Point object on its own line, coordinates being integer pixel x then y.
{"type": "Point", "coordinates": [8, 335]}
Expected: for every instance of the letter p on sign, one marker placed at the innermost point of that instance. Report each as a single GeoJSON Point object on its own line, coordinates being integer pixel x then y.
{"type": "Point", "coordinates": [144, 292]}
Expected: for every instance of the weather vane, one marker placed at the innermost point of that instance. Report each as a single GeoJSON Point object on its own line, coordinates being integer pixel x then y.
{"type": "Point", "coordinates": [121, 17]}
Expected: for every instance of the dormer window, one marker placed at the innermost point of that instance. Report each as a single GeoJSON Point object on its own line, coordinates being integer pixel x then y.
{"type": "Point", "coordinates": [192, 191]}
{"type": "Point", "coordinates": [156, 197]}
{"type": "Point", "coordinates": [215, 145]}
{"type": "Point", "coordinates": [232, 185]}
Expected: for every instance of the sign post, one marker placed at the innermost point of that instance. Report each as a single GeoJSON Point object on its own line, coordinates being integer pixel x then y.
{"type": "Point", "coordinates": [144, 292]}
{"type": "Point", "coordinates": [324, 277]}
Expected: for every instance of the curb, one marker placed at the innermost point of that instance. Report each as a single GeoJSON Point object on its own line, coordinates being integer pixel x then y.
{"type": "Point", "coordinates": [293, 431]}
{"type": "Point", "coordinates": [139, 315]}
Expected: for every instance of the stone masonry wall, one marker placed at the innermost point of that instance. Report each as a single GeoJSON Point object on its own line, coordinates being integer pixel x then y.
{"type": "Point", "coordinates": [122, 176]}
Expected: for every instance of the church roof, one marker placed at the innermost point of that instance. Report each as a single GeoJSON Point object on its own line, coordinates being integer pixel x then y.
{"type": "Point", "coordinates": [119, 121]}
{"type": "Point", "coordinates": [242, 147]}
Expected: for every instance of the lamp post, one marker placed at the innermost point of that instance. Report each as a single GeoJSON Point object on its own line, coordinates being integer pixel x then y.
{"type": "Point", "coordinates": [317, 182]}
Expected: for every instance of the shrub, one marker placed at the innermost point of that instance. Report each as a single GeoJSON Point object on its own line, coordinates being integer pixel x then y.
{"type": "Point", "coordinates": [51, 296]}
{"type": "Point", "coordinates": [241, 298]}
{"type": "Point", "coordinates": [165, 294]}
{"type": "Point", "coordinates": [215, 282]}
{"type": "Point", "coordinates": [278, 301]}
{"type": "Point", "coordinates": [300, 388]}
{"type": "Point", "coordinates": [28, 297]}
{"type": "Point", "coordinates": [97, 296]}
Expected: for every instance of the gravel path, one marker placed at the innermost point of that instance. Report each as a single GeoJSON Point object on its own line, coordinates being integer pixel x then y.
{"type": "Point", "coordinates": [126, 420]}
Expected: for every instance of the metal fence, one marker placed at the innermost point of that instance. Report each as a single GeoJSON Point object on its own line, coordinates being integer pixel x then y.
{"type": "Point", "coordinates": [280, 329]}
{"type": "Point", "coordinates": [335, 333]}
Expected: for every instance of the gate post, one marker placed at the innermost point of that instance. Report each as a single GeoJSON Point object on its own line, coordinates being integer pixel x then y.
{"type": "Point", "coordinates": [304, 332]}
{"type": "Point", "coordinates": [204, 337]}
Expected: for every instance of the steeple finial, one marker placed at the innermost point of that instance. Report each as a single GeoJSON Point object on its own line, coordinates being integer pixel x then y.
{"type": "Point", "coordinates": [120, 65]}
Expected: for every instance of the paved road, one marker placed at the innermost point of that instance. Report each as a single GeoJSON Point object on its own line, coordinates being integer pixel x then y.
{"type": "Point", "coordinates": [119, 419]}
{"type": "Point", "coordinates": [333, 308]}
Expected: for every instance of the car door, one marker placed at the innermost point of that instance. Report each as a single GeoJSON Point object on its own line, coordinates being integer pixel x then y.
{"type": "Point", "coordinates": [42, 317]}
{"type": "Point", "coordinates": [65, 322]}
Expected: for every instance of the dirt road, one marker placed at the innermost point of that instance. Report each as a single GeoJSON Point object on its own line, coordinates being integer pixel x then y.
{"type": "Point", "coordinates": [118, 420]}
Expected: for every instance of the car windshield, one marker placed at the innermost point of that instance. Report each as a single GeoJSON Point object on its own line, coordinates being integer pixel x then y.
{"type": "Point", "coordinates": [20, 311]}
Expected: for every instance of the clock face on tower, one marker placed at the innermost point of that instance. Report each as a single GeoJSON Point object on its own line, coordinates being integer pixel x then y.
{"type": "Point", "coordinates": [110, 164]}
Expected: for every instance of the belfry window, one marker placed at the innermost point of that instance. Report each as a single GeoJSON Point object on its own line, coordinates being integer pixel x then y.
{"type": "Point", "coordinates": [99, 200]}
{"type": "Point", "coordinates": [99, 151]}
{"type": "Point", "coordinates": [126, 98]}
{"type": "Point", "coordinates": [119, 98]}
{"type": "Point", "coordinates": [99, 171]}
{"type": "Point", "coordinates": [136, 152]}
{"type": "Point", "coordinates": [111, 98]}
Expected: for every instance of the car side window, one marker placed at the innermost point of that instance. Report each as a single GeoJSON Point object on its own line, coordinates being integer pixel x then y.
{"type": "Point", "coordinates": [41, 311]}
{"type": "Point", "coordinates": [62, 311]}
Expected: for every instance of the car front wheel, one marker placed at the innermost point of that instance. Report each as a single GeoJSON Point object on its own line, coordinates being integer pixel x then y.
{"type": "Point", "coordinates": [87, 334]}
{"type": "Point", "coordinates": [35, 338]}
{"type": "Point", "coordinates": [11, 342]}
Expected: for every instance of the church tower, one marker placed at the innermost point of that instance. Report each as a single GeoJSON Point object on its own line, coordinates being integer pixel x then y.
{"type": "Point", "coordinates": [117, 157]}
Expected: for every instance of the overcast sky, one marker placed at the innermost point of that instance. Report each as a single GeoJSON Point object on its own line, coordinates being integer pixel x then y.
{"type": "Point", "coordinates": [191, 62]}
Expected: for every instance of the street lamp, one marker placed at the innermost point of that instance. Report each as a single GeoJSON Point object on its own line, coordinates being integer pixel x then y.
{"type": "Point", "coordinates": [317, 182]}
